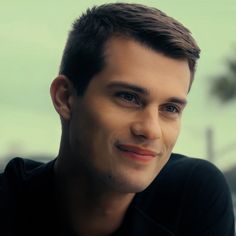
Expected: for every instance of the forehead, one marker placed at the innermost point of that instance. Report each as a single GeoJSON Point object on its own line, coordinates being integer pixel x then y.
{"type": "Point", "coordinates": [127, 60]}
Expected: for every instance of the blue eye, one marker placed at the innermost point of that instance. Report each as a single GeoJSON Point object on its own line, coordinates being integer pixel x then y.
{"type": "Point", "coordinates": [172, 108]}
{"type": "Point", "coordinates": [129, 97]}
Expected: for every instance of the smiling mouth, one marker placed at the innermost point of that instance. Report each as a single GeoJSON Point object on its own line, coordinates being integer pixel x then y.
{"type": "Point", "coordinates": [136, 153]}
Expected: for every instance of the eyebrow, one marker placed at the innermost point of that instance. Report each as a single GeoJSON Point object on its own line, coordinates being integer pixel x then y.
{"type": "Point", "coordinates": [135, 88]}
{"type": "Point", "coordinates": [141, 90]}
{"type": "Point", "coordinates": [180, 101]}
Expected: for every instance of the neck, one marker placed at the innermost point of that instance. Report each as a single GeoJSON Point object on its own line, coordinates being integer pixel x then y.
{"type": "Point", "coordinates": [89, 207]}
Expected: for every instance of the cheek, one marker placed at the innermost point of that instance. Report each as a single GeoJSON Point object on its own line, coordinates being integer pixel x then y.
{"type": "Point", "coordinates": [170, 134]}
{"type": "Point", "coordinates": [109, 127]}
{"type": "Point", "coordinates": [98, 125]}
{"type": "Point", "coordinates": [107, 117]}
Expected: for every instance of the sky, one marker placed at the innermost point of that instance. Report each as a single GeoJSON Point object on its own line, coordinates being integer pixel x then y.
{"type": "Point", "coordinates": [33, 35]}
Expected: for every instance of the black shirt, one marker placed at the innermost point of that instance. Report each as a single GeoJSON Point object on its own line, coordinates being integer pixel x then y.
{"type": "Point", "coordinates": [189, 197]}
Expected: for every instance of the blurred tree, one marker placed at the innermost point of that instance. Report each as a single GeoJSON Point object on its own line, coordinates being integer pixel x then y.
{"type": "Point", "coordinates": [224, 86]}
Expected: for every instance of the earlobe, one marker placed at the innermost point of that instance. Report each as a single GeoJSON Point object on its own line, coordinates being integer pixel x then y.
{"type": "Point", "coordinates": [61, 94]}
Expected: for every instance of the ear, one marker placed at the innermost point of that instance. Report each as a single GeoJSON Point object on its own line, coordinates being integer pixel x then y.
{"type": "Point", "coordinates": [61, 91]}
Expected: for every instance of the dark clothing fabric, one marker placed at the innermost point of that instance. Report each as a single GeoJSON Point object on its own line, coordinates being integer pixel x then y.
{"type": "Point", "coordinates": [189, 197]}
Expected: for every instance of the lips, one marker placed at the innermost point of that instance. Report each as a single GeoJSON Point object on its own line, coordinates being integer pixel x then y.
{"type": "Point", "coordinates": [137, 150]}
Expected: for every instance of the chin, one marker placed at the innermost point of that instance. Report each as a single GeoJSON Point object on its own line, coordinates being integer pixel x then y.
{"type": "Point", "coordinates": [135, 188]}
{"type": "Point", "coordinates": [130, 185]}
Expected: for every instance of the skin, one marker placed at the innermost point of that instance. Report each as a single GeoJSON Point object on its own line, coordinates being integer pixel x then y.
{"type": "Point", "coordinates": [99, 180]}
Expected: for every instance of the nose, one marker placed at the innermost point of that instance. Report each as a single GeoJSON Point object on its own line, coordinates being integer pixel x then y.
{"type": "Point", "coordinates": [147, 125]}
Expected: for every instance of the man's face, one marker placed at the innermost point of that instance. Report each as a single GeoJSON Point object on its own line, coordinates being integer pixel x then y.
{"type": "Point", "coordinates": [123, 129]}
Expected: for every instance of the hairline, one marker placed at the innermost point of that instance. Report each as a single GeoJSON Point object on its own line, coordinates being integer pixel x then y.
{"type": "Point", "coordinates": [148, 46]}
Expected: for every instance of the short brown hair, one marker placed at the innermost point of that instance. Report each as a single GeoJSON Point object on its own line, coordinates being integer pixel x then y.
{"type": "Point", "coordinates": [84, 52]}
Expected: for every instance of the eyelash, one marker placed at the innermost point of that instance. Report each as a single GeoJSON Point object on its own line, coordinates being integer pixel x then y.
{"type": "Point", "coordinates": [138, 102]}
{"type": "Point", "coordinates": [174, 106]}
{"type": "Point", "coordinates": [124, 96]}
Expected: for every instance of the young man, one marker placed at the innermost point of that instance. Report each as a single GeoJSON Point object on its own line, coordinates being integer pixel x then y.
{"type": "Point", "coordinates": [124, 79]}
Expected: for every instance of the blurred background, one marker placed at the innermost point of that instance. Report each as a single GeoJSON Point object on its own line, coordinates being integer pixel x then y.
{"type": "Point", "coordinates": [33, 35]}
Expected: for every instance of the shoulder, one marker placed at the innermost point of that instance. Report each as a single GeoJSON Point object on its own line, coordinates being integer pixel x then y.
{"type": "Point", "coordinates": [20, 165]}
{"type": "Point", "coordinates": [189, 192]}
{"type": "Point", "coordinates": [24, 192]}
{"type": "Point", "coordinates": [194, 170]}
{"type": "Point", "coordinates": [184, 176]}
{"type": "Point", "coordinates": [18, 173]}
{"type": "Point", "coordinates": [11, 184]}
{"type": "Point", "coordinates": [18, 170]}
{"type": "Point", "coordinates": [195, 179]}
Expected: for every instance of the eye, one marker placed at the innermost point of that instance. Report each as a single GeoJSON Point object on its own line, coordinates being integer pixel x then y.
{"type": "Point", "coordinates": [172, 108]}
{"type": "Point", "coordinates": [129, 97]}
